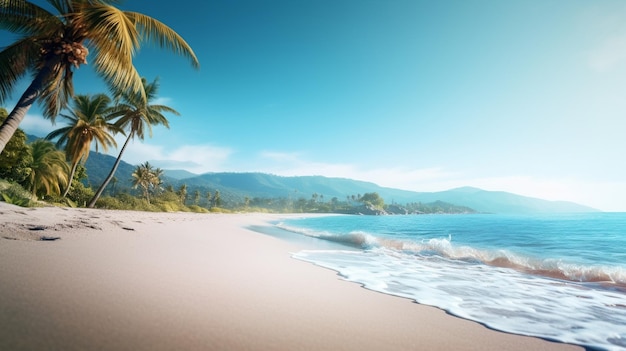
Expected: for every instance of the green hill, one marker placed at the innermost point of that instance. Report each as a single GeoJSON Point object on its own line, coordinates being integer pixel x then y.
{"type": "Point", "coordinates": [234, 187]}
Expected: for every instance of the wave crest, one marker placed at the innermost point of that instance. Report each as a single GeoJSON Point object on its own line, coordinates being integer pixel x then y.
{"type": "Point", "coordinates": [444, 248]}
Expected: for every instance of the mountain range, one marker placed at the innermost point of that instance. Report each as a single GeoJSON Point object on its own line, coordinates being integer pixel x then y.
{"type": "Point", "coordinates": [237, 186]}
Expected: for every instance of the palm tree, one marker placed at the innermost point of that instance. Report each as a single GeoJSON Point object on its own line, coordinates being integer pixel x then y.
{"type": "Point", "coordinates": [182, 193]}
{"type": "Point", "coordinates": [196, 197]}
{"type": "Point", "coordinates": [217, 199]}
{"type": "Point", "coordinates": [145, 177]}
{"type": "Point", "coordinates": [88, 121]}
{"type": "Point", "coordinates": [52, 45]}
{"type": "Point", "coordinates": [137, 116]}
{"type": "Point", "coordinates": [157, 182]}
{"type": "Point", "coordinates": [209, 198]}
{"type": "Point", "coordinates": [48, 169]}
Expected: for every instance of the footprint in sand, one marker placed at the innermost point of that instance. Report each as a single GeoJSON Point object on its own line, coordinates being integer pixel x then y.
{"type": "Point", "coordinates": [49, 238]}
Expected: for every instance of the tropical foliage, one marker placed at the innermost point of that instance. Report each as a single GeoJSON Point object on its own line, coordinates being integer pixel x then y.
{"type": "Point", "coordinates": [16, 155]}
{"type": "Point", "coordinates": [52, 44]}
{"type": "Point", "coordinates": [148, 179]}
{"type": "Point", "coordinates": [138, 115]}
{"type": "Point", "coordinates": [48, 170]}
{"type": "Point", "coordinates": [15, 194]}
{"type": "Point", "coordinates": [89, 122]}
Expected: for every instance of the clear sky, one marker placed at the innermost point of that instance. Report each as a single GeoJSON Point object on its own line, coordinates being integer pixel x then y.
{"type": "Point", "coordinates": [525, 96]}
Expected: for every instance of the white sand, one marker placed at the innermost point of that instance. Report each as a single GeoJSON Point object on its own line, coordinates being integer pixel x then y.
{"type": "Point", "coordinates": [121, 280]}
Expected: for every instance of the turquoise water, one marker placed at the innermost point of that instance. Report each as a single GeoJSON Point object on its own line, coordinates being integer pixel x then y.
{"type": "Point", "coordinates": [558, 277]}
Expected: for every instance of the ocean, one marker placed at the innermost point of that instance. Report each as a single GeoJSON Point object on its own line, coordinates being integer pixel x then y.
{"type": "Point", "coordinates": [559, 277]}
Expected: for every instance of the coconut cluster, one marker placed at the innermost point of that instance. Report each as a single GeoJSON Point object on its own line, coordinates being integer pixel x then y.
{"type": "Point", "coordinates": [73, 52]}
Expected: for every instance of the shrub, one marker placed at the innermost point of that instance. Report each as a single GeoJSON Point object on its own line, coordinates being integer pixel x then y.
{"type": "Point", "coordinates": [198, 209]}
{"type": "Point", "coordinates": [109, 203]}
{"type": "Point", "coordinates": [14, 194]}
{"type": "Point", "coordinates": [80, 194]}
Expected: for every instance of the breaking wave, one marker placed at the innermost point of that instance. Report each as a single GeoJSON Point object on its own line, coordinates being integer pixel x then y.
{"type": "Point", "coordinates": [444, 248]}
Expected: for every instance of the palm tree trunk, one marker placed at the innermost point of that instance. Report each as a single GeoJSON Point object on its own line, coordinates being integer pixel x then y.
{"type": "Point", "coordinates": [69, 184]}
{"type": "Point", "coordinates": [104, 184]}
{"type": "Point", "coordinates": [12, 122]}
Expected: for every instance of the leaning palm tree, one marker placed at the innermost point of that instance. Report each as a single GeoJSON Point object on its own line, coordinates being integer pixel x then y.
{"type": "Point", "coordinates": [138, 115]}
{"type": "Point", "coordinates": [48, 170]}
{"type": "Point", "coordinates": [52, 45]}
{"type": "Point", "coordinates": [89, 121]}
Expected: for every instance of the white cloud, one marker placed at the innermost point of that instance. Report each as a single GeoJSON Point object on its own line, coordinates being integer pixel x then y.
{"type": "Point", "coordinates": [162, 100]}
{"type": "Point", "coordinates": [425, 179]}
{"type": "Point", "coordinates": [609, 54]}
{"type": "Point", "coordinates": [193, 158]}
{"type": "Point", "coordinates": [37, 125]}
{"type": "Point", "coordinates": [291, 164]}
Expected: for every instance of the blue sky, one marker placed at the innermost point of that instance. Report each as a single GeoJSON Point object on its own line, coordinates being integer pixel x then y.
{"type": "Point", "coordinates": [523, 96]}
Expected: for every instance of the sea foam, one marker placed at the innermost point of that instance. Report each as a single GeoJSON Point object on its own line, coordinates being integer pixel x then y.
{"type": "Point", "coordinates": [443, 247]}
{"type": "Point", "coordinates": [561, 279]}
{"type": "Point", "coordinates": [501, 298]}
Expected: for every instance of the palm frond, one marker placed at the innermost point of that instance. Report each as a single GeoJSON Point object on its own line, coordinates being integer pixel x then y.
{"type": "Point", "coordinates": [163, 108]}
{"type": "Point", "coordinates": [162, 35]}
{"type": "Point", "coordinates": [48, 170]}
{"type": "Point", "coordinates": [62, 6]}
{"type": "Point", "coordinates": [110, 29]}
{"type": "Point", "coordinates": [119, 74]}
{"type": "Point", "coordinates": [61, 134]}
{"type": "Point", "coordinates": [24, 17]}
{"type": "Point", "coordinates": [53, 97]}
{"type": "Point", "coordinates": [88, 123]}
{"type": "Point", "coordinates": [15, 60]}
{"type": "Point", "coordinates": [114, 39]}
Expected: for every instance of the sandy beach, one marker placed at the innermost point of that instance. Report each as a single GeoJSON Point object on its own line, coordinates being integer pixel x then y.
{"type": "Point", "coordinates": [119, 280]}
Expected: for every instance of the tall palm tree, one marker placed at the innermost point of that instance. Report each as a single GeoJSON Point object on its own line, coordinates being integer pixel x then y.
{"type": "Point", "coordinates": [52, 45]}
{"type": "Point", "coordinates": [137, 115]}
{"type": "Point", "coordinates": [88, 122]}
{"type": "Point", "coordinates": [49, 171]}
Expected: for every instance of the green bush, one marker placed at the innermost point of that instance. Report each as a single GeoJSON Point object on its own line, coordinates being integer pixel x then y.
{"type": "Point", "coordinates": [197, 209]}
{"type": "Point", "coordinates": [59, 200]}
{"type": "Point", "coordinates": [167, 206]}
{"type": "Point", "coordinates": [14, 194]}
{"type": "Point", "coordinates": [220, 210]}
{"type": "Point", "coordinates": [80, 194]}
{"type": "Point", "coordinates": [109, 203]}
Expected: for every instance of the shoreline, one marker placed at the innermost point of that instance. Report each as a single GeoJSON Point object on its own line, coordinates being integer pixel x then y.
{"type": "Point", "coordinates": [121, 280]}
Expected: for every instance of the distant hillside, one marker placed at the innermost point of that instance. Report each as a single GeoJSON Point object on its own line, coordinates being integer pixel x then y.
{"type": "Point", "coordinates": [30, 138]}
{"type": "Point", "coordinates": [502, 202]}
{"type": "Point", "coordinates": [180, 174]}
{"type": "Point", "coordinates": [237, 186]}
{"type": "Point", "coordinates": [266, 185]}
{"type": "Point", "coordinates": [99, 165]}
